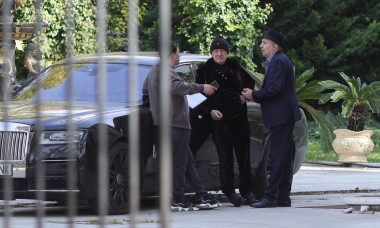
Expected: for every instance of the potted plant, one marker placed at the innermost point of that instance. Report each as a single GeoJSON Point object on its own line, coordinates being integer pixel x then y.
{"type": "Point", "coordinates": [354, 143]}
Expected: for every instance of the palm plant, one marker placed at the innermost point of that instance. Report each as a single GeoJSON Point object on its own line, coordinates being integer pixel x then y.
{"type": "Point", "coordinates": [356, 96]}
{"type": "Point", "coordinates": [313, 91]}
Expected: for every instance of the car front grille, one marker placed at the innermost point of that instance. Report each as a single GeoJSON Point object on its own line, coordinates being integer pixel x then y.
{"type": "Point", "coordinates": [19, 184]}
{"type": "Point", "coordinates": [14, 141]}
{"type": "Point", "coordinates": [51, 184]}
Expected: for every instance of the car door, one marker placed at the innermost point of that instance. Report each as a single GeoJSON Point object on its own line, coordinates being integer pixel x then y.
{"type": "Point", "coordinates": [201, 144]}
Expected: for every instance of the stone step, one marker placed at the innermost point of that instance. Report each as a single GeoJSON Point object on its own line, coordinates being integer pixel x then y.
{"type": "Point", "coordinates": [363, 204]}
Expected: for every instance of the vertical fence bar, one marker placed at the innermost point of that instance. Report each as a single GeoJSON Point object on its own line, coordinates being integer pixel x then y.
{"type": "Point", "coordinates": [103, 175]}
{"type": "Point", "coordinates": [71, 157]}
{"type": "Point", "coordinates": [8, 182]}
{"type": "Point", "coordinates": [40, 167]}
{"type": "Point", "coordinates": [134, 161]}
{"type": "Point", "coordinates": [165, 102]}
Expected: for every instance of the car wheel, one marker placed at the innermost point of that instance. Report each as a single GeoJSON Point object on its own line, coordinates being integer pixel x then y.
{"type": "Point", "coordinates": [118, 181]}
{"type": "Point", "coordinates": [260, 180]}
{"type": "Point", "coordinates": [300, 138]}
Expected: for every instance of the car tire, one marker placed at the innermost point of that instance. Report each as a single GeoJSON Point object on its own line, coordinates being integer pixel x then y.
{"type": "Point", "coordinates": [300, 138]}
{"type": "Point", "coordinates": [260, 180]}
{"type": "Point", "coordinates": [118, 181]}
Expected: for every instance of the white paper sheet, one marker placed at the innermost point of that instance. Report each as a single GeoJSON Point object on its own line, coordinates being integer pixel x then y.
{"type": "Point", "coordinates": [195, 99]}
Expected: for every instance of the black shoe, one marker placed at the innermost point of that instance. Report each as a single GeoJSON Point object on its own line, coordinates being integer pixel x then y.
{"type": "Point", "coordinates": [284, 203]}
{"type": "Point", "coordinates": [207, 201]}
{"type": "Point", "coordinates": [250, 199]}
{"type": "Point", "coordinates": [263, 203]}
{"type": "Point", "coordinates": [236, 200]}
{"type": "Point", "coordinates": [182, 205]}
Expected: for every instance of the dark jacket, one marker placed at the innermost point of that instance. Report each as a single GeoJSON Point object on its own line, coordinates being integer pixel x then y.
{"type": "Point", "coordinates": [227, 98]}
{"type": "Point", "coordinates": [277, 96]}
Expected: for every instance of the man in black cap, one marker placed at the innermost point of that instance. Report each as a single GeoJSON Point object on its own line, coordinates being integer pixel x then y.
{"type": "Point", "coordinates": [227, 111]}
{"type": "Point", "coordinates": [280, 111]}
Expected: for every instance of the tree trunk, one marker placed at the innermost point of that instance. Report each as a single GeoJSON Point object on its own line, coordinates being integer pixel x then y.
{"type": "Point", "coordinates": [356, 120]}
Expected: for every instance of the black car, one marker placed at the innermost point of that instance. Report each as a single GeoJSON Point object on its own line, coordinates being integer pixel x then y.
{"type": "Point", "coordinates": [35, 129]}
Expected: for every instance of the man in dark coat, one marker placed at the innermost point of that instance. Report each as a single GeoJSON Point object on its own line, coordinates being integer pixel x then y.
{"type": "Point", "coordinates": [280, 111]}
{"type": "Point", "coordinates": [227, 109]}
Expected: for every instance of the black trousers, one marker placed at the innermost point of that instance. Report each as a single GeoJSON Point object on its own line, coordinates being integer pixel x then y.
{"type": "Point", "coordinates": [183, 164]}
{"type": "Point", "coordinates": [281, 162]}
{"type": "Point", "coordinates": [233, 136]}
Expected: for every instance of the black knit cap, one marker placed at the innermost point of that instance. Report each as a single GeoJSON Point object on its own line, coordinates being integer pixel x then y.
{"type": "Point", "coordinates": [276, 37]}
{"type": "Point", "coordinates": [219, 43]}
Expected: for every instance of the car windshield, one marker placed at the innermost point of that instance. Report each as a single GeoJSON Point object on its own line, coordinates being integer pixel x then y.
{"type": "Point", "coordinates": [54, 83]}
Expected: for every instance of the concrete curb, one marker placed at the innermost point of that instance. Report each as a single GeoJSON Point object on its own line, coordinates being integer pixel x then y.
{"type": "Point", "coordinates": [338, 164]}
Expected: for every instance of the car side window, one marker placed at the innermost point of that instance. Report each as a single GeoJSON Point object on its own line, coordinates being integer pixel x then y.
{"type": "Point", "coordinates": [185, 72]}
{"type": "Point", "coordinates": [196, 65]}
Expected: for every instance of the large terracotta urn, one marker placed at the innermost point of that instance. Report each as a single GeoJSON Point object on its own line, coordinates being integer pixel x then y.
{"type": "Point", "coordinates": [353, 146]}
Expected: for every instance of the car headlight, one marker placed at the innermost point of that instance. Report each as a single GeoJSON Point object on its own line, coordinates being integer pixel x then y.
{"type": "Point", "coordinates": [60, 137]}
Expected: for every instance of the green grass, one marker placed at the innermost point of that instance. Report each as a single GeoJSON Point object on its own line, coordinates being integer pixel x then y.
{"type": "Point", "coordinates": [93, 221]}
{"type": "Point", "coordinates": [374, 156]}
{"type": "Point", "coordinates": [111, 222]}
{"type": "Point", "coordinates": [315, 154]}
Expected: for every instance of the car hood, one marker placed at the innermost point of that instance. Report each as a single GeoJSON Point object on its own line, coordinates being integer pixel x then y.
{"type": "Point", "coordinates": [55, 113]}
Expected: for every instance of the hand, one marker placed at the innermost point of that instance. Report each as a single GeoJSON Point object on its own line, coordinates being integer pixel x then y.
{"type": "Point", "coordinates": [209, 89]}
{"type": "Point", "coordinates": [242, 99]}
{"type": "Point", "coordinates": [247, 94]}
{"type": "Point", "coordinates": [216, 115]}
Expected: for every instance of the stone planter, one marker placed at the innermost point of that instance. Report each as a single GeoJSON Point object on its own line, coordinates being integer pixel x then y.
{"type": "Point", "coordinates": [353, 146]}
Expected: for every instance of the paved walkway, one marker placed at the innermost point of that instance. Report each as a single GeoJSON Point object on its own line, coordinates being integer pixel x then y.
{"type": "Point", "coordinates": [334, 177]}
{"type": "Point", "coordinates": [318, 200]}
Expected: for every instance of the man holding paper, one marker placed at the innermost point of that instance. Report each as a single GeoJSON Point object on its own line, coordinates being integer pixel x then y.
{"type": "Point", "coordinates": [183, 159]}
